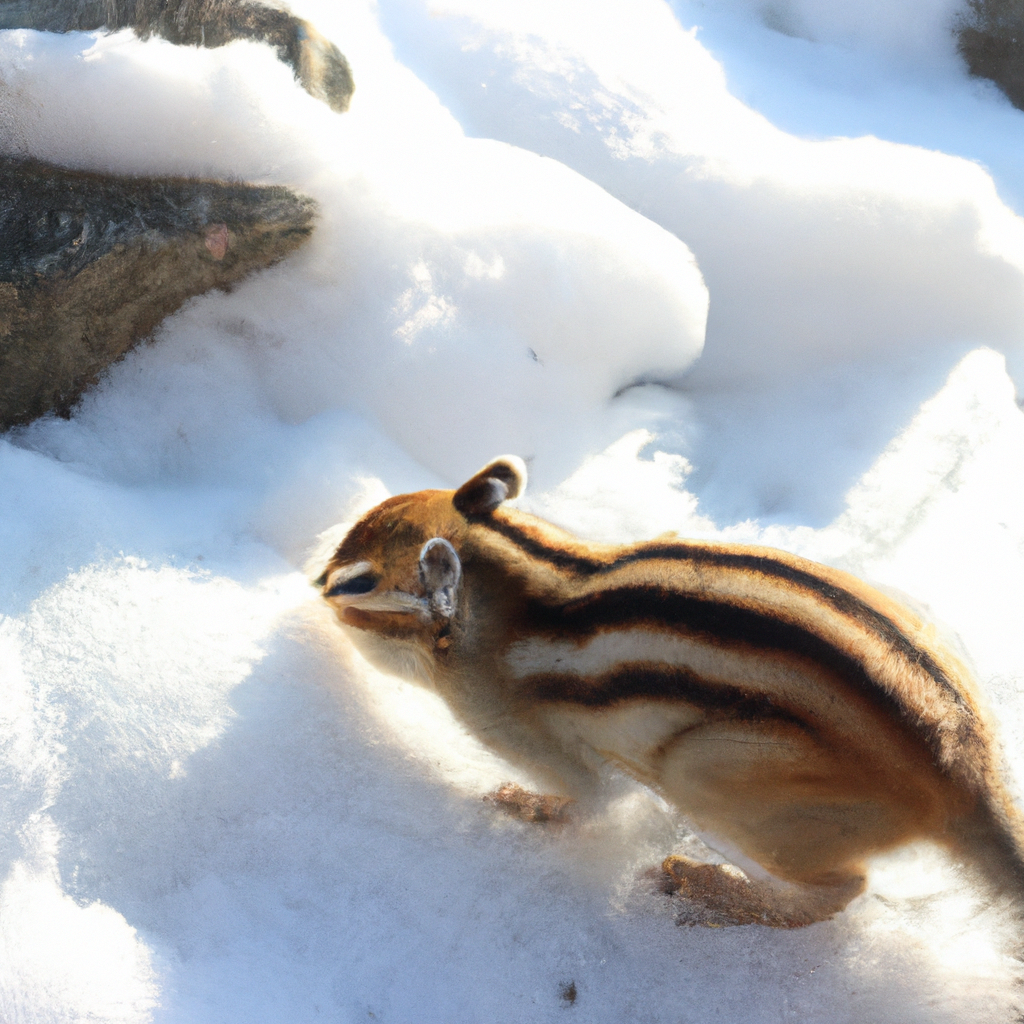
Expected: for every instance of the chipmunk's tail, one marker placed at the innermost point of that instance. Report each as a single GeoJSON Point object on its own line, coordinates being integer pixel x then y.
{"type": "Point", "coordinates": [991, 839]}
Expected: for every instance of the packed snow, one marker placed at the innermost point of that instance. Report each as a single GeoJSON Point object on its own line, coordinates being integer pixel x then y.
{"type": "Point", "coordinates": [734, 269]}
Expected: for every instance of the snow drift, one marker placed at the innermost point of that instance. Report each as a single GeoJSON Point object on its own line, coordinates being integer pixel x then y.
{"type": "Point", "coordinates": [213, 809]}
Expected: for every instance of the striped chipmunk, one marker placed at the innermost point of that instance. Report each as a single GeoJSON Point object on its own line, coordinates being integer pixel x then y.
{"type": "Point", "coordinates": [799, 719]}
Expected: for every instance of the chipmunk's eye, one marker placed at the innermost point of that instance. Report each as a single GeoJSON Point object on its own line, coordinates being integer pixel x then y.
{"type": "Point", "coordinates": [361, 584]}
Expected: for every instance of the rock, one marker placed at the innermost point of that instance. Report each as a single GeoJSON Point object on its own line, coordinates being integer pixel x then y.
{"type": "Point", "coordinates": [318, 64]}
{"type": "Point", "coordinates": [91, 263]}
{"type": "Point", "coordinates": [990, 38]}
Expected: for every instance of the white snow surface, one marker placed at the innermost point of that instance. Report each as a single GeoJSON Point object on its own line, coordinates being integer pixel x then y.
{"type": "Point", "coordinates": [735, 269]}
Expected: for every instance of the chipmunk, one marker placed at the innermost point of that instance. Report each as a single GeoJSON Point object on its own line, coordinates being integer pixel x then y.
{"type": "Point", "coordinates": [799, 717]}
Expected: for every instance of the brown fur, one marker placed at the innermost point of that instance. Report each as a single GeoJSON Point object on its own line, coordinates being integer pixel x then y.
{"type": "Point", "coordinates": [790, 711]}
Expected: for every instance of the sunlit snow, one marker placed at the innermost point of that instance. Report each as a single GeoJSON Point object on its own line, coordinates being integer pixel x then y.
{"type": "Point", "coordinates": [734, 269]}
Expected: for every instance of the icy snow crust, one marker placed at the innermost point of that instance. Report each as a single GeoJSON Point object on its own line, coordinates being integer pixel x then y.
{"type": "Point", "coordinates": [213, 810]}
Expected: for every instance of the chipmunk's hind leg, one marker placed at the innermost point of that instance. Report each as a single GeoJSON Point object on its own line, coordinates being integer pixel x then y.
{"type": "Point", "coordinates": [808, 814]}
{"type": "Point", "coordinates": [720, 894]}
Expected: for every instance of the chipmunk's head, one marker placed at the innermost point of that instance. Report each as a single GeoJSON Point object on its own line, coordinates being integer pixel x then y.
{"type": "Point", "coordinates": [396, 578]}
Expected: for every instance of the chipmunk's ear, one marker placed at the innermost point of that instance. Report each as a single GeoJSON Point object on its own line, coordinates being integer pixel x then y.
{"type": "Point", "coordinates": [501, 479]}
{"type": "Point", "coordinates": [440, 574]}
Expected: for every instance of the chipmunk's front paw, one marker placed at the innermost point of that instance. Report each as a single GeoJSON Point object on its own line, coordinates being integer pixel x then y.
{"type": "Point", "coordinates": [718, 895]}
{"type": "Point", "coordinates": [526, 806]}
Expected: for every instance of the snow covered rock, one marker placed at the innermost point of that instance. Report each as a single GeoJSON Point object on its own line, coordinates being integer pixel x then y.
{"type": "Point", "coordinates": [318, 64]}
{"type": "Point", "coordinates": [990, 36]}
{"type": "Point", "coordinates": [91, 263]}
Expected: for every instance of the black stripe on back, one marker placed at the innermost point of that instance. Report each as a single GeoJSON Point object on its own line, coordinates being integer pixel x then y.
{"type": "Point", "coordinates": [731, 626]}
{"type": "Point", "coordinates": [841, 600]}
{"type": "Point", "coordinates": [646, 680]}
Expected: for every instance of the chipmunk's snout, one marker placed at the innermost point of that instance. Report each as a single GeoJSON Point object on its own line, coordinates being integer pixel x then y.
{"type": "Point", "coordinates": [430, 591]}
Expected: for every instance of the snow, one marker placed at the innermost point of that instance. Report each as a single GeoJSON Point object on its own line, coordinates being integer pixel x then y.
{"type": "Point", "coordinates": [214, 810]}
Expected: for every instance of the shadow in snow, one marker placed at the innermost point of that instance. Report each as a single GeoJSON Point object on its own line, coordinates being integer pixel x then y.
{"type": "Point", "coordinates": [306, 864]}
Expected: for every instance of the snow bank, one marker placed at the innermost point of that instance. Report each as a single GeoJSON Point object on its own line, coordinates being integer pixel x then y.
{"type": "Point", "coordinates": [849, 257]}
{"type": "Point", "coordinates": [917, 33]}
{"type": "Point", "coordinates": [214, 810]}
{"type": "Point", "coordinates": [467, 296]}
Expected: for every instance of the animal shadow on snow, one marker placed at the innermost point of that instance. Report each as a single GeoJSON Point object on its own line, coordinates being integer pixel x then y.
{"type": "Point", "coordinates": [306, 859]}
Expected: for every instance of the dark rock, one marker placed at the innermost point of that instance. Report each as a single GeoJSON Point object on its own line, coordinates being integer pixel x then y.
{"type": "Point", "coordinates": [990, 38]}
{"type": "Point", "coordinates": [316, 61]}
{"type": "Point", "coordinates": [91, 263]}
